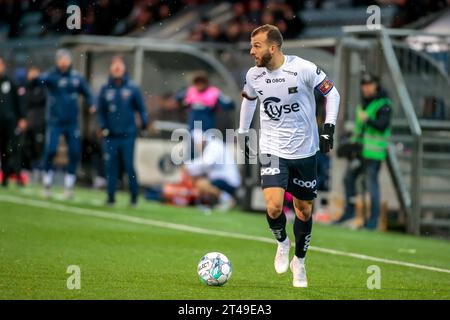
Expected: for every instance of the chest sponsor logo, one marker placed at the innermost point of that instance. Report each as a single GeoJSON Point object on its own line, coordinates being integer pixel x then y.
{"type": "Point", "coordinates": [274, 110]}
{"type": "Point", "coordinates": [276, 80]}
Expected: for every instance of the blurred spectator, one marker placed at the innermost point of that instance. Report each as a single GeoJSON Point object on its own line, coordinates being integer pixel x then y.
{"type": "Point", "coordinates": [98, 16]}
{"type": "Point", "coordinates": [64, 85]}
{"type": "Point", "coordinates": [371, 137]}
{"type": "Point", "coordinates": [203, 101]}
{"type": "Point", "coordinates": [215, 173]}
{"type": "Point", "coordinates": [409, 11]}
{"type": "Point", "coordinates": [118, 102]}
{"type": "Point", "coordinates": [247, 15]}
{"type": "Point", "coordinates": [433, 108]}
{"type": "Point", "coordinates": [213, 33]}
{"type": "Point", "coordinates": [10, 12]}
{"type": "Point", "coordinates": [254, 11]}
{"type": "Point", "coordinates": [233, 32]}
{"type": "Point", "coordinates": [118, 17]}
{"type": "Point", "coordinates": [35, 102]}
{"type": "Point", "coordinates": [12, 123]}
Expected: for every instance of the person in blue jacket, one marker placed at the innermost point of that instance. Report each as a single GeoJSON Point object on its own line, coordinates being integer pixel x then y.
{"type": "Point", "coordinates": [63, 85]}
{"type": "Point", "coordinates": [118, 101]}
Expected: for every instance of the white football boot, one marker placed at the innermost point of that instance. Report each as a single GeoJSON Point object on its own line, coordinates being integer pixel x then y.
{"type": "Point", "coordinates": [299, 272]}
{"type": "Point", "coordinates": [282, 257]}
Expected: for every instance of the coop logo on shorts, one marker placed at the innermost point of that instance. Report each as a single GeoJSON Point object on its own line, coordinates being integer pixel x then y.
{"type": "Point", "coordinates": [305, 184]}
{"type": "Point", "coordinates": [274, 111]}
{"type": "Point", "coordinates": [270, 171]}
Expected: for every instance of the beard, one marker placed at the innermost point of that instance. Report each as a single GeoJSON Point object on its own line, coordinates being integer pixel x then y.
{"type": "Point", "coordinates": [265, 59]}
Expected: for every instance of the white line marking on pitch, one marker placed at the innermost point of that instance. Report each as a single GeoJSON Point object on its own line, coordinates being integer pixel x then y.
{"type": "Point", "coordinates": [182, 227]}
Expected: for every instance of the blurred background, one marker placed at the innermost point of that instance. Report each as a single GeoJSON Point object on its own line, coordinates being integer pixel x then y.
{"type": "Point", "coordinates": [165, 43]}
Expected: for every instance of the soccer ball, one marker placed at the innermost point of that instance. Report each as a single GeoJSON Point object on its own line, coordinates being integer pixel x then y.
{"type": "Point", "coordinates": [214, 269]}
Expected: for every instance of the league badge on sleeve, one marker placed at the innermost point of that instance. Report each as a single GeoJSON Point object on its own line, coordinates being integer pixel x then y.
{"type": "Point", "coordinates": [325, 86]}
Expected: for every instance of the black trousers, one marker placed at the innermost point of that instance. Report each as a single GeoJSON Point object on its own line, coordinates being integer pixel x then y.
{"type": "Point", "coordinates": [6, 149]}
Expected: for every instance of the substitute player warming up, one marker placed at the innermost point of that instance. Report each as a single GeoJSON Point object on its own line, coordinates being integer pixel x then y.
{"type": "Point", "coordinates": [289, 137]}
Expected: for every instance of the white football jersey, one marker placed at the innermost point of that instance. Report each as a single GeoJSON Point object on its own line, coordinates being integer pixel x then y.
{"type": "Point", "coordinates": [217, 162]}
{"type": "Point", "coordinates": [287, 106]}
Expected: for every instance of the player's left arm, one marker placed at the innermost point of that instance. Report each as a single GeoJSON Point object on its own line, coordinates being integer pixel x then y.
{"type": "Point", "coordinates": [320, 82]}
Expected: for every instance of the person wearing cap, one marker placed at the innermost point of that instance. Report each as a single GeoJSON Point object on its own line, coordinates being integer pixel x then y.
{"type": "Point", "coordinates": [118, 101]}
{"type": "Point", "coordinates": [12, 121]}
{"type": "Point", "coordinates": [371, 134]}
{"type": "Point", "coordinates": [64, 85]}
{"type": "Point", "coordinates": [203, 101]}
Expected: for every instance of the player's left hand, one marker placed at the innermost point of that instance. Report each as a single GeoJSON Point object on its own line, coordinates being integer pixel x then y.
{"type": "Point", "coordinates": [326, 138]}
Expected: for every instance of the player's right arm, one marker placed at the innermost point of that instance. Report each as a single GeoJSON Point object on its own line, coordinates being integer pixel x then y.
{"type": "Point", "coordinates": [248, 105]}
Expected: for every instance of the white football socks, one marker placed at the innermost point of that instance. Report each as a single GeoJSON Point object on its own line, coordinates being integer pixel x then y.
{"type": "Point", "coordinates": [47, 179]}
{"type": "Point", "coordinates": [69, 181]}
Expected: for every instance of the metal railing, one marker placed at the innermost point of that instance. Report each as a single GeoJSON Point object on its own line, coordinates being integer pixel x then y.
{"type": "Point", "coordinates": [377, 51]}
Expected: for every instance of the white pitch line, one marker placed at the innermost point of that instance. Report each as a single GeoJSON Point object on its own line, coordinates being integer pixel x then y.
{"type": "Point", "coordinates": [182, 227]}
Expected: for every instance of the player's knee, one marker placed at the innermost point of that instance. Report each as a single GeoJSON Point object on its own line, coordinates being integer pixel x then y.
{"type": "Point", "coordinates": [304, 211]}
{"type": "Point", "coordinates": [274, 210]}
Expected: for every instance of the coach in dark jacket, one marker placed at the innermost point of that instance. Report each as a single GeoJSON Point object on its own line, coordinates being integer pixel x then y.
{"type": "Point", "coordinates": [117, 104]}
{"type": "Point", "coordinates": [12, 120]}
{"type": "Point", "coordinates": [64, 85]}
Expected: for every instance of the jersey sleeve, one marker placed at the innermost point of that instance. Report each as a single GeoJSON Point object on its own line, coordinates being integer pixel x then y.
{"type": "Point", "coordinates": [248, 91]}
{"type": "Point", "coordinates": [317, 79]}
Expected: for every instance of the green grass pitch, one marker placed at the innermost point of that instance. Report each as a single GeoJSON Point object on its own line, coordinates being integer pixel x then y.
{"type": "Point", "coordinates": [123, 257]}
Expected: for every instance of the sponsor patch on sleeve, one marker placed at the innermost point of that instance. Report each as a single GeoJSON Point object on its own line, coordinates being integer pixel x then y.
{"type": "Point", "coordinates": [325, 86]}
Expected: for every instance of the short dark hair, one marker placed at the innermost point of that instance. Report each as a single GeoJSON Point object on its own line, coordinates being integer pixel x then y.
{"type": "Point", "coordinates": [200, 77]}
{"type": "Point", "coordinates": [273, 34]}
{"type": "Point", "coordinates": [367, 78]}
